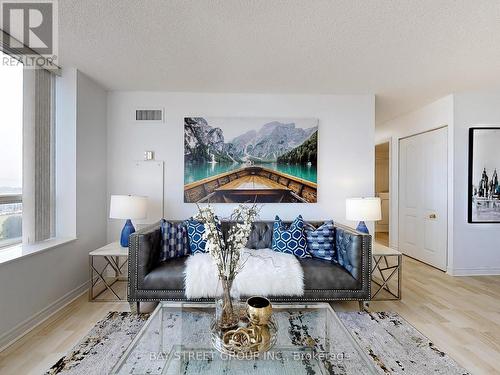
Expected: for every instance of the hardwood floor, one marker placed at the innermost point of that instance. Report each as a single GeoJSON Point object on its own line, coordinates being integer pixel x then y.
{"type": "Point", "coordinates": [461, 315]}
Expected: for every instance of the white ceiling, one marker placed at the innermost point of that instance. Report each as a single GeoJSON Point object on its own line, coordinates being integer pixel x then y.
{"type": "Point", "coordinates": [407, 52]}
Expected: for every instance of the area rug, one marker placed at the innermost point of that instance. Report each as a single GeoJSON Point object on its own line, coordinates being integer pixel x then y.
{"type": "Point", "coordinates": [102, 347]}
{"type": "Point", "coordinates": [395, 346]}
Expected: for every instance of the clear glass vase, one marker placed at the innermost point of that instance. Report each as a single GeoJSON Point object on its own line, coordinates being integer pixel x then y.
{"type": "Point", "coordinates": [227, 305]}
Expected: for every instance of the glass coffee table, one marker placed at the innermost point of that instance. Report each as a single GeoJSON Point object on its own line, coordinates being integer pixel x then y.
{"type": "Point", "coordinates": [311, 339]}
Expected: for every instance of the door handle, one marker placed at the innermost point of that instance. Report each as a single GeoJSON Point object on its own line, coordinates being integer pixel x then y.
{"type": "Point", "coordinates": [432, 216]}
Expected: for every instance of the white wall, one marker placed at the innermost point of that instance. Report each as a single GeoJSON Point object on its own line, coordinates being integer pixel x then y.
{"type": "Point", "coordinates": [476, 246]}
{"type": "Point", "coordinates": [432, 116]}
{"type": "Point", "coordinates": [36, 285]}
{"type": "Point", "coordinates": [91, 163]}
{"type": "Point", "coordinates": [346, 153]}
{"type": "Point", "coordinates": [66, 116]}
{"type": "Point", "coordinates": [473, 249]}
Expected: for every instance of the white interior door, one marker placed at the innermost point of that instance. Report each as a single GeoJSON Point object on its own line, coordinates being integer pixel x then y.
{"type": "Point", "coordinates": [423, 197]}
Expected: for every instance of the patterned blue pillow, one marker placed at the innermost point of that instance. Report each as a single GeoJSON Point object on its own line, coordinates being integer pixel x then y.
{"type": "Point", "coordinates": [174, 241]}
{"type": "Point", "coordinates": [195, 230]}
{"type": "Point", "coordinates": [320, 241]}
{"type": "Point", "coordinates": [290, 240]}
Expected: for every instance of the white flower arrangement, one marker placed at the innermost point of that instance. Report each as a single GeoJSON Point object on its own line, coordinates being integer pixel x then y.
{"type": "Point", "coordinates": [226, 252]}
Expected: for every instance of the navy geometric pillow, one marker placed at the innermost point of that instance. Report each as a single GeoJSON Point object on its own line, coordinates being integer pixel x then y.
{"type": "Point", "coordinates": [174, 240]}
{"type": "Point", "coordinates": [195, 230]}
{"type": "Point", "coordinates": [290, 240]}
{"type": "Point", "coordinates": [320, 241]}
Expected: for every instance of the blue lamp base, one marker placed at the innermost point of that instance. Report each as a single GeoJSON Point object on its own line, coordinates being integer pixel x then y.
{"type": "Point", "coordinates": [362, 227]}
{"type": "Point", "coordinates": [127, 230]}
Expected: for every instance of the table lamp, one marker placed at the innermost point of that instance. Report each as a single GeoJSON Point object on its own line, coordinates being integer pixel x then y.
{"type": "Point", "coordinates": [128, 207]}
{"type": "Point", "coordinates": [363, 209]}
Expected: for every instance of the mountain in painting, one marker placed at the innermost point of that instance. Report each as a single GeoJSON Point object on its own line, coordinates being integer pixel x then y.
{"type": "Point", "coordinates": [307, 152]}
{"type": "Point", "coordinates": [204, 143]}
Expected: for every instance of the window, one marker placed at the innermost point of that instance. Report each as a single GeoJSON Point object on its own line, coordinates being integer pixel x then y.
{"type": "Point", "coordinates": [11, 152]}
{"type": "Point", "coordinates": [26, 153]}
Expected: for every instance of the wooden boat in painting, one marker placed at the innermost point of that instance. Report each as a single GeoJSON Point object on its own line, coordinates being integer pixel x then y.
{"type": "Point", "coordinates": [251, 184]}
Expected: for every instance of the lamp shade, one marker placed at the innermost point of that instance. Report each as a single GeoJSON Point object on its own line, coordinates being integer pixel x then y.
{"type": "Point", "coordinates": [128, 207]}
{"type": "Point", "coordinates": [363, 209]}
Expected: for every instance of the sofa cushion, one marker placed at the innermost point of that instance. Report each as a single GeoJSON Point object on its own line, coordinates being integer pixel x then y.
{"type": "Point", "coordinates": [261, 235]}
{"type": "Point", "coordinates": [321, 274]}
{"type": "Point", "coordinates": [290, 240]}
{"type": "Point", "coordinates": [167, 275]}
{"type": "Point", "coordinates": [320, 240]}
{"type": "Point", "coordinates": [318, 274]}
{"type": "Point", "coordinates": [174, 240]}
{"type": "Point", "coordinates": [195, 235]}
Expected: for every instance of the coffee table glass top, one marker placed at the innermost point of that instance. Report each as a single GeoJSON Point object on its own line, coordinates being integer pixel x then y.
{"type": "Point", "coordinates": [311, 340]}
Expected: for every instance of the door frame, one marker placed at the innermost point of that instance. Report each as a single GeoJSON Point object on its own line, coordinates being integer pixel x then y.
{"type": "Point", "coordinates": [394, 195]}
{"type": "Point", "coordinates": [389, 140]}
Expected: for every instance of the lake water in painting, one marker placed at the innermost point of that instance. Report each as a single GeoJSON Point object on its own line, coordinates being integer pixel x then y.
{"type": "Point", "coordinates": [200, 171]}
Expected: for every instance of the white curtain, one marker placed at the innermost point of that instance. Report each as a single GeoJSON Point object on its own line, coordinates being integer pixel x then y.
{"type": "Point", "coordinates": [38, 155]}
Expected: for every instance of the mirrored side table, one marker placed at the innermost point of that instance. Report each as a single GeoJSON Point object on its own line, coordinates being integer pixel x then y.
{"type": "Point", "coordinates": [107, 266]}
{"type": "Point", "coordinates": [387, 270]}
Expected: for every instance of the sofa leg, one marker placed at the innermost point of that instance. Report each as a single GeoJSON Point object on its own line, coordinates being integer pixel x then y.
{"type": "Point", "coordinates": [363, 305]}
{"type": "Point", "coordinates": [135, 307]}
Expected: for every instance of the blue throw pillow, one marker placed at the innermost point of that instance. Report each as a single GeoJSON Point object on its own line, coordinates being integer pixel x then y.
{"type": "Point", "coordinates": [195, 230]}
{"type": "Point", "coordinates": [290, 240]}
{"type": "Point", "coordinates": [174, 240]}
{"type": "Point", "coordinates": [320, 241]}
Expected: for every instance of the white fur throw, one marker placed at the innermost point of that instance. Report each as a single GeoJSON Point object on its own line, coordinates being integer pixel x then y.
{"type": "Point", "coordinates": [265, 273]}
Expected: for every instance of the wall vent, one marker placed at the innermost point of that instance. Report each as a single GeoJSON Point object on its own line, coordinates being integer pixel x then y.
{"type": "Point", "coordinates": [149, 115]}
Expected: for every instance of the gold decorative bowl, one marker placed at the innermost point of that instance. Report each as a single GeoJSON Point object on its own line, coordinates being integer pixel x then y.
{"type": "Point", "coordinates": [248, 340]}
{"type": "Point", "coordinates": [255, 333]}
{"type": "Point", "coordinates": [259, 310]}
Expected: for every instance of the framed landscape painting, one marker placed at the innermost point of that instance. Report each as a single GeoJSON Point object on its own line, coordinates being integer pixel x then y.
{"type": "Point", "coordinates": [484, 163]}
{"type": "Point", "coordinates": [244, 160]}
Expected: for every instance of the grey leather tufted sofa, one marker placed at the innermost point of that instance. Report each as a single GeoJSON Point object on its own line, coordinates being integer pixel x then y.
{"type": "Point", "coordinates": [151, 280]}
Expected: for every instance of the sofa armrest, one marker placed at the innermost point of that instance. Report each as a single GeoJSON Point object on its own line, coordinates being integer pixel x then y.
{"type": "Point", "coordinates": [143, 254]}
{"type": "Point", "coordinates": [354, 252]}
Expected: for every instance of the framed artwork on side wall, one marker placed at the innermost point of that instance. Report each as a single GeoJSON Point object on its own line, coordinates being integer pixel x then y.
{"type": "Point", "coordinates": [484, 165]}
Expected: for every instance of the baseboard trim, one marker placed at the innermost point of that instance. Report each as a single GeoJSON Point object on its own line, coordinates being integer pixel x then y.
{"type": "Point", "coordinates": [10, 337]}
{"type": "Point", "coordinates": [479, 271]}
